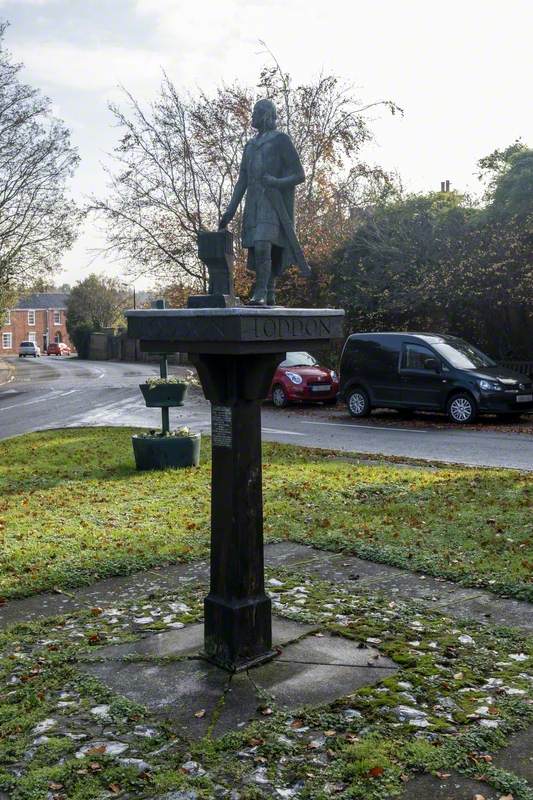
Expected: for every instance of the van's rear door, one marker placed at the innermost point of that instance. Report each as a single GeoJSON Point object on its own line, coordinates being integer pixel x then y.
{"type": "Point", "coordinates": [384, 378]}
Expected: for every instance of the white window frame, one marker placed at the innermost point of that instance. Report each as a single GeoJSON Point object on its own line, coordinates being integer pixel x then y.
{"type": "Point", "coordinates": [8, 317]}
{"type": "Point", "coordinates": [7, 337]}
{"type": "Point", "coordinates": [32, 337]}
{"type": "Point", "coordinates": [57, 317]}
{"type": "Point", "coordinates": [31, 317]}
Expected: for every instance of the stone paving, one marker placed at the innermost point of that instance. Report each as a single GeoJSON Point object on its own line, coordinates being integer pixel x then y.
{"type": "Point", "coordinates": [439, 594]}
{"type": "Point", "coordinates": [311, 669]}
{"type": "Point", "coordinates": [164, 671]}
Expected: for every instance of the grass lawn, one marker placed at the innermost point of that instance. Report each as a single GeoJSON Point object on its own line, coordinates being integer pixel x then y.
{"type": "Point", "coordinates": [74, 509]}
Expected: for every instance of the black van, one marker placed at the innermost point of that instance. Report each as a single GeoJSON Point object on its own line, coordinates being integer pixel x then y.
{"type": "Point", "coordinates": [428, 371]}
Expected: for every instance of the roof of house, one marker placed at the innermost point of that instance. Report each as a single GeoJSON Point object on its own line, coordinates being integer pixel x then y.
{"type": "Point", "coordinates": [43, 300]}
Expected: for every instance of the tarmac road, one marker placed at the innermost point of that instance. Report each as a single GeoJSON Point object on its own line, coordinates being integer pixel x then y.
{"type": "Point", "coordinates": [55, 392]}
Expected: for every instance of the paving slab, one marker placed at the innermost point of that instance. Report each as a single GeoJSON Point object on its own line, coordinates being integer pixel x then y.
{"type": "Point", "coordinates": [295, 684]}
{"type": "Point", "coordinates": [517, 757]}
{"type": "Point", "coordinates": [175, 691]}
{"type": "Point", "coordinates": [486, 607]}
{"type": "Point", "coordinates": [188, 641]}
{"type": "Point", "coordinates": [311, 670]}
{"type": "Point", "coordinates": [333, 650]}
{"type": "Point", "coordinates": [456, 787]}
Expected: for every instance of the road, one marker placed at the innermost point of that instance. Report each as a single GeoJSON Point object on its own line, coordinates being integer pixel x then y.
{"type": "Point", "coordinates": [64, 392]}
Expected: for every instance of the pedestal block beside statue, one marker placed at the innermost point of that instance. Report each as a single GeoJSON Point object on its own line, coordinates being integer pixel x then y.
{"type": "Point", "coordinates": [236, 350]}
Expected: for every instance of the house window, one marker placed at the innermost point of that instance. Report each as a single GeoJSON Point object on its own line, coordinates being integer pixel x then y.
{"type": "Point", "coordinates": [32, 337]}
{"type": "Point", "coordinates": [7, 318]}
{"type": "Point", "coordinates": [57, 317]}
{"type": "Point", "coordinates": [31, 317]}
{"type": "Point", "coordinates": [58, 338]}
{"type": "Point", "coordinates": [6, 341]}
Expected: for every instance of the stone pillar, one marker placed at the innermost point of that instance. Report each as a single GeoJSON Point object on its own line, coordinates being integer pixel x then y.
{"type": "Point", "coordinates": [238, 625]}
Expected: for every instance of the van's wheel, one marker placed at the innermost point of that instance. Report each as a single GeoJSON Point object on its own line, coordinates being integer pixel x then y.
{"type": "Point", "coordinates": [279, 398]}
{"type": "Point", "coordinates": [461, 409]}
{"type": "Point", "coordinates": [358, 403]}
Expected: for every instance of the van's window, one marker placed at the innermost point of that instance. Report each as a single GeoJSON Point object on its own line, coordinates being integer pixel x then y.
{"type": "Point", "coordinates": [299, 360]}
{"type": "Point", "coordinates": [463, 355]}
{"type": "Point", "coordinates": [415, 355]}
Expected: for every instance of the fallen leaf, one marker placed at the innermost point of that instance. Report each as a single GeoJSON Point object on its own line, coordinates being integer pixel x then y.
{"type": "Point", "coordinates": [101, 748]}
{"type": "Point", "coordinates": [253, 742]}
{"type": "Point", "coordinates": [330, 733]}
{"type": "Point", "coordinates": [506, 797]}
{"type": "Point", "coordinates": [55, 786]}
{"type": "Point", "coordinates": [200, 714]}
{"type": "Point", "coordinates": [443, 775]}
{"type": "Point", "coordinates": [479, 797]}
{"type": "Point", "coordinates": [297, 723]}
{"type": "Point", "coordinates": [96, 611]}
{"type": "Point", "coordinates": [375, 772]}
{"type": "Point", "coordinates": [265, 711]}
{"type": "Point", "coordinates": [115, 788]}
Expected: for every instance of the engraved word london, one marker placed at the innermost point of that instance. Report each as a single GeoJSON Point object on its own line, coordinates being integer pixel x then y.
{"type": "Point", "coordinates": [272, 328]}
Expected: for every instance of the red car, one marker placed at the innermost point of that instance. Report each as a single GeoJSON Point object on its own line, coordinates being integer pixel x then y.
{"type": "Point", "coordinates": [57, 349]}
{"type": "Point", "coordinates": [300, 377]}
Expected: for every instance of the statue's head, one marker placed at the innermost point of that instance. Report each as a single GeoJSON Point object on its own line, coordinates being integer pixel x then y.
{"type": "Point", "coordinates": [264, 115]}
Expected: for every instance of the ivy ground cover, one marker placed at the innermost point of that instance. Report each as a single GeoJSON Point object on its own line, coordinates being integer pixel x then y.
{"type": "Point", "coordinates": [73, 509]}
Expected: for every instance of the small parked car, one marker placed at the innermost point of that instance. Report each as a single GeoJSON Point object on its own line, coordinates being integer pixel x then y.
{"type": "Point", "coordinates": [58, 349]}
{"type": "Point", "coordinates": [431, 372]}
{"type": "Point", "coordinates": [29, 349]}
{"type": "Point", "coordinates": [300, 377]}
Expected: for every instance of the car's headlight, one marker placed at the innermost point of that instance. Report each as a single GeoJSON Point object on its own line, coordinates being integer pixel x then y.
{"type": "Point", "coordinates": [490, 386]}
{"type": "Point", "coordinates": [294, 377]}
{"type": "Point", "coordinates": [333, 375]}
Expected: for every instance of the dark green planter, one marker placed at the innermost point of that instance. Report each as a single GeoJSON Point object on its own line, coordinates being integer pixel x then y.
{"type": "Point", "coordinates": [164, 395]}
{"type": "Point", "coordinates": [164, 452]}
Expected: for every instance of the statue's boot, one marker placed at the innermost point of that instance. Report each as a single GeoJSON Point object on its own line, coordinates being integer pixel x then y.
{"type": "Point", "coordinates": [262, 274]}
{"type": "Point", "coordinates": [271, 291]}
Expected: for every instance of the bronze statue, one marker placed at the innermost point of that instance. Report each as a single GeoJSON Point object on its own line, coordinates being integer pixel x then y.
{"type": "Point", "coordinates": [270, 170]}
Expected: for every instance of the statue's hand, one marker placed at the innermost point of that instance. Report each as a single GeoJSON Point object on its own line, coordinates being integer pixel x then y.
{"type": "Point", "coordinates": [270, 180]}
{"type": "Point", "coordinates": [225, 219]}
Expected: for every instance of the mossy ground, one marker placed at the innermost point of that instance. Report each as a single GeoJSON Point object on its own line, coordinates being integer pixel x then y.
{"type": "Point", "coordinates": [74, 509]}
{"type": "Point", "coordinates": [470, 692]}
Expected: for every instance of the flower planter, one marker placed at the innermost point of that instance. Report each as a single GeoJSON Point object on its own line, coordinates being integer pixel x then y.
{"type": "Point", "coordinates": [164, 395]}
{"type": "Point", "coordinates": [164, 452]}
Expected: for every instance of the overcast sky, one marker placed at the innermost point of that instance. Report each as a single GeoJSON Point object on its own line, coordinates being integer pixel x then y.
{"type": "Point", "coordinates": [461, 70]}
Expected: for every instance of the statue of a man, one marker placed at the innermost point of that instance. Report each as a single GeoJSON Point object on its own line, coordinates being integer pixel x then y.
{"type": "Point", "coordinates": [270, 170]}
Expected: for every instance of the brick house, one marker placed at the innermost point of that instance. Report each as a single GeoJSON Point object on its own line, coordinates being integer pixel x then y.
{"type": "Point", "coordinates": [39, 318]}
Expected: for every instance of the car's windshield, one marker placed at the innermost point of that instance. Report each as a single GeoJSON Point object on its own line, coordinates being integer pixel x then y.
{"type": "Point", "coordinates": [463, 355]}
{"type": "Point", "coordinates": [299, 360]}
{"type": "Point", "coordinates": [26, 344]}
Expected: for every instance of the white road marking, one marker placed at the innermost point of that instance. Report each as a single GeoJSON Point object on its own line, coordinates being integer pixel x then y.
{"type": "Point", "coordinates": [285, 433]}
{"type": "Point", "coordinates": [50, 396]}
{"type": "Point", "coordinates": [355, 425]}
